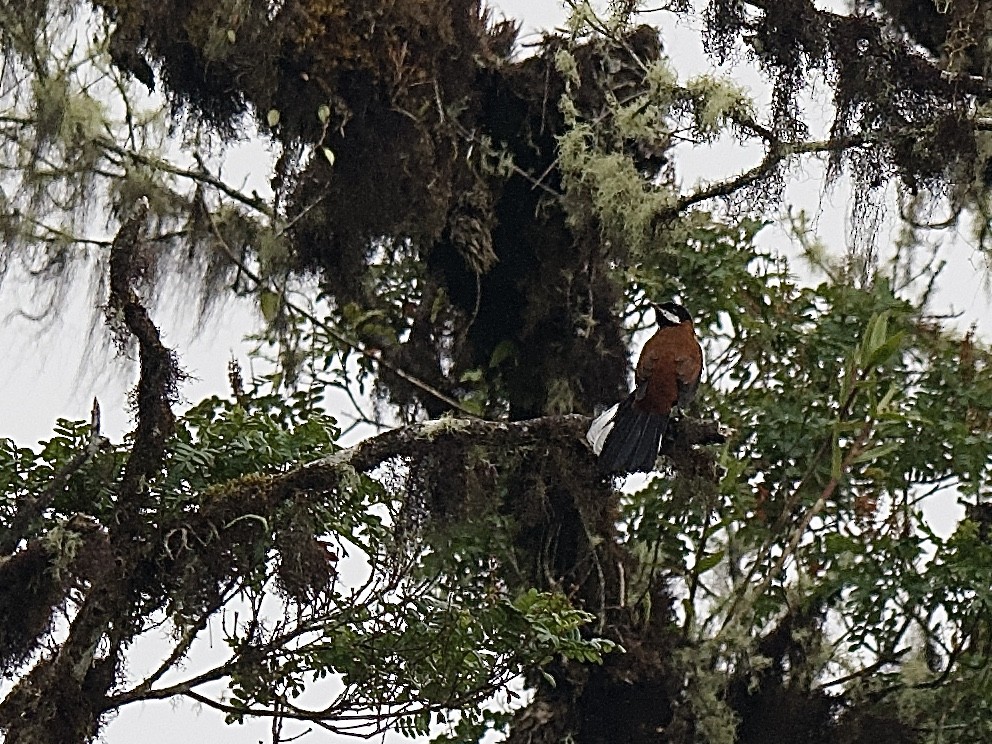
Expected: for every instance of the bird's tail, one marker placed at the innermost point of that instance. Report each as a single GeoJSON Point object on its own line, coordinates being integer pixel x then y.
{"type": "Point", "coordinates": [627, 439]}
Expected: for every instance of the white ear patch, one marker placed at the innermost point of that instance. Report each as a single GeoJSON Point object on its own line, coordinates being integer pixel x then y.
{"type": "Point", "coordinates": [670, 317]}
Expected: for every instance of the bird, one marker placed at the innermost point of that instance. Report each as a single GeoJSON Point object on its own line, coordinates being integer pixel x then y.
{"type": "Point", "coordinates": [627, 436]}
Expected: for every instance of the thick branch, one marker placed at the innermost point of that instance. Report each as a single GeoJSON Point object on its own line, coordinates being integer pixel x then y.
{"type": "Point", "coordinates": [411, 440]}
{"type": "Point", "coordinates": [62, 698]}
{"type": "Point", "coordinates": [159, 369]}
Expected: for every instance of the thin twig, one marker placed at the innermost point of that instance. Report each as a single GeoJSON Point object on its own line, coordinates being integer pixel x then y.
{"type": "Point", "coordinates": [333, 332]}
{"type": "Point", "coordinates": [200, 176]}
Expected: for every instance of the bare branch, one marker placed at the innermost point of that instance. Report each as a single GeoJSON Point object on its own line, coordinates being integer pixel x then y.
{"type": "Point", "coordinates": [199, 176]}
{"type": "Point", "coordinates": [777, 153]}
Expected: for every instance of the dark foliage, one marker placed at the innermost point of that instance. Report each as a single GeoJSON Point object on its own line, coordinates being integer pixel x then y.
{"type": "Point", "coordinates": [896, 113]}
{"type": "Point", "coordinates": [408, 90]}
{"type": "Point", "coordinates": [29, 595]}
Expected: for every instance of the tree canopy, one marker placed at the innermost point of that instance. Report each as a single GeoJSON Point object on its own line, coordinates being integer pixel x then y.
{"type": "Point", "coordinates": [472, 237]}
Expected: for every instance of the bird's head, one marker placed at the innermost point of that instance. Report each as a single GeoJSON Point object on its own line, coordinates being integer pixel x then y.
{"type": "Point", "coordinates": [671, 314]}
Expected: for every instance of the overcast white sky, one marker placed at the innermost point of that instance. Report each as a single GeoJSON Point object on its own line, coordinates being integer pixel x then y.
{"type": "Point", "coordinates": [45, 374]}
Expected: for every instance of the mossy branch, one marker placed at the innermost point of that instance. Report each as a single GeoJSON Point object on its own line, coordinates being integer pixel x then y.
{"type": "Point", "coordinates": [412, 440]}
{"type": "Point", "coordinates": [159, 371]}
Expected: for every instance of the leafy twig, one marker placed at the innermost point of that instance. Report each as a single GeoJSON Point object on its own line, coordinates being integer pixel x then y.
{"type": "Point", "coordinates": [29, 509]}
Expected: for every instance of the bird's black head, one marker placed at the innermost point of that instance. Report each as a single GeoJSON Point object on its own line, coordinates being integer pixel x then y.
{"type": "Point", "coordinates": [671, 314]}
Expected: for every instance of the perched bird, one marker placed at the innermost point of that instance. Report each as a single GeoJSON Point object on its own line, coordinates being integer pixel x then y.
{"type": "Point", "coordinates": [627, 436]}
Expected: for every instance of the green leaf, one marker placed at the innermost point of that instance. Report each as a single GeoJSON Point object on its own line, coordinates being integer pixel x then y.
{"type": "Point", "coordinates": [881, 353]}
{"type": "Point", "coordinates": [473, 404]}
{"type": "Point", "coordinates": [269, 303]}
{"type": "Point", "coordinates": [848, 379]}
{"type": "Point", "coordinates": [836, 459]}
{"type": "Point", "coordinates": [323, 113]}
{"type": "Point", "coordinates": [328, 154]}
{"type": "Point", "coordinates": [503, 351]}
{"type": "Point", "coordinates": [886, 401]}
{"type": "Point", "coordinates": [877, 331]}
{"type": "Point", "coordinates": [876, 452]}
{"type": "Point", "coordinates": [709, 561]}
{"type": "Point", "coordinates": [272, 117]}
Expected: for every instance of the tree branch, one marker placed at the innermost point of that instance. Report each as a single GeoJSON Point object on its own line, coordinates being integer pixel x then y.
{"type": "Point", "coordinates": [411, 440]}
{"type": "Point", "coordinates": [159, 371]}
{"type": "Point", "coordinates": [776, 154]}
{"type": "Point", "coordinates": [199, 176]}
